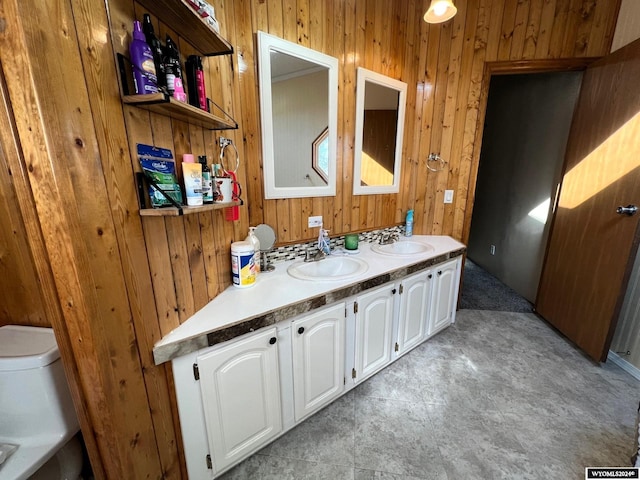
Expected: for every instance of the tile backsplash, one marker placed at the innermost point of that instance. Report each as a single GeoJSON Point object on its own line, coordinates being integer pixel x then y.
{"type": "Point", "coordinates": [297, 250]}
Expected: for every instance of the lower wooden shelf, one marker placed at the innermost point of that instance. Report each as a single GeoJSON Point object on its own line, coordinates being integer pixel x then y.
{"type": "Point", "coordinates": [169, 106]}
{"type": "Point", "coordinates": [185, 210]}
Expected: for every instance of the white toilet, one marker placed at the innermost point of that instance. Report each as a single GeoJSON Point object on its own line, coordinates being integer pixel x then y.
{"type": "Point", "coordinates": [36, 409]}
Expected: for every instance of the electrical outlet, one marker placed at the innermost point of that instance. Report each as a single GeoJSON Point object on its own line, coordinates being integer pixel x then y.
{"type": "Point", "coordinates": [448, 196]}
{"type": "Point", "coordinates": [492, 249]}
{"type": "Point", "coordinates": [315, 221]}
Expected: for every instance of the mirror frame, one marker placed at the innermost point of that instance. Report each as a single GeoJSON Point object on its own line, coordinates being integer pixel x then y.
{"type": "Point", "coordinates": [364, 76]}
{"type": "Point", "coordinates": [267, 44]}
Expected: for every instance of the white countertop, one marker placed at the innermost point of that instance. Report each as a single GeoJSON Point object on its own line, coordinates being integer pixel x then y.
{"type": "Point", "coordinates": [277, 289]}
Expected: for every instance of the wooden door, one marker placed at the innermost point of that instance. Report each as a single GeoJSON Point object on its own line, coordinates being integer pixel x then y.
{"type": "Point", "coordinates": [240, 386]}
{"type": "Point", "coordinates": [318, 359]}
{"type": "Point", "coordinates": [591, 247]}
{"type": "Point", "coordinates": [415, 292]}
{"type": "Point", "coordinates": [374, 322]}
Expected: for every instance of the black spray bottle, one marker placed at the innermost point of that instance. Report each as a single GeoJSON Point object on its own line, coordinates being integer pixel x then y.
{"type": "Point", "coordinates": [156, 50]}
{"type": "Point", "coordinates": [171, 60]}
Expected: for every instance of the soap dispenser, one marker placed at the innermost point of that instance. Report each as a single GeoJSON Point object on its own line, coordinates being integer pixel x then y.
{"type": "Point", "coordinates": [253, 239]}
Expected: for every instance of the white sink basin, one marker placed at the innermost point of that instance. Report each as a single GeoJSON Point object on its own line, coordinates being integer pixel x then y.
{"type": "Point", "coordinates": [329, 268]}
{"type": "Point", "coordinates": [402, 248]}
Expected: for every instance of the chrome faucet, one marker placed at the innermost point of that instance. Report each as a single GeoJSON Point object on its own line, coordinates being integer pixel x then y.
{"type": "Point", "coordinates": [388, 238]}
{"type": "Point", "coordinates": [314, 255]}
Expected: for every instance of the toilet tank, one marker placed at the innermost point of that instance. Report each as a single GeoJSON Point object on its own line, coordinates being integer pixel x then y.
{"type": "Point", "coordinates": [34, 394]}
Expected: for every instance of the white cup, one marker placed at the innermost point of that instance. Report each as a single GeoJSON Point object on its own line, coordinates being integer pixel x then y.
{"type": "Point", "coordinates": [223, 186]}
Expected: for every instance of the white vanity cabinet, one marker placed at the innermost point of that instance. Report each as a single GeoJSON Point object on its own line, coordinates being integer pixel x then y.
{"type": "Point", "coordinates": [446, 278]}
{"type": "Point", "coordinates": [415, 302]}
{"type": "Point", "coordinates": [240, 385]}
{"type": "Point", "coordinates": [373, 331]}
{"type": "Point", "coordinates": [235, 397]}
{"type": "Point", "coordinates": [318, 346]}
{"type": "Point", "coordinates": [427, 304]}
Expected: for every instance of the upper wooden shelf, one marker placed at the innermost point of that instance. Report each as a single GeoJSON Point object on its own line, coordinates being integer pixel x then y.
{"type": "Point", "coordinates": [181, 18]}
{"type": "Point", "coordinates": [169, 106]}
{"type": "Point", "coordinates": [185, 210]}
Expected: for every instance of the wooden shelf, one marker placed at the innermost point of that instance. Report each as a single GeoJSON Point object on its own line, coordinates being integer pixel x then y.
{"type": "Point", "coordinates": [169, 106]}
{"type": "Point", "coordinates": [180, 17]}
{"type": "Point", "coordinates": [175, 212]}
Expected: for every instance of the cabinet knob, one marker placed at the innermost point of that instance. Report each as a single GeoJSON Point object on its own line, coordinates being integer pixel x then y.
{"type": "Point", "coordinates": [272, 340]}
{"type": "Point", "coordinates": [393, 292]}
{"type": "Point", "coordinates": [301, 330]}
{"type": "Point", "coordinates": [430, 276]}
{"type": "Point", "coordinates": [439, 272]}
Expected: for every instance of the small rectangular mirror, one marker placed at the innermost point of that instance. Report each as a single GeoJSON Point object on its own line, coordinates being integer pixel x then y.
{"type": "Point", "coordinates": [299, 118]}
{"type": "Point", "coordinates": [380, 107]}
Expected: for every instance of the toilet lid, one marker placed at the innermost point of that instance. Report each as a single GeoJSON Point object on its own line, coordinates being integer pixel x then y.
{"type": "Point", "coordinates": [23, 348]}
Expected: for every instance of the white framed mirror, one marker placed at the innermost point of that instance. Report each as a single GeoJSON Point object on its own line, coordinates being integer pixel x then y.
{"type": "Point", "coordinates": [380, 107]}
{"type": "Point", "coordinates": [299, 119]}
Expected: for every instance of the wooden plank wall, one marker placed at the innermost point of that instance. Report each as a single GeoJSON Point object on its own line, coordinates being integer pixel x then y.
{"type": "Point", "coordinates": [122, 282]}
{"type": "Point", "coordinates": [22, 302]}
{"type": "Point", "coordinates": [443, 66]}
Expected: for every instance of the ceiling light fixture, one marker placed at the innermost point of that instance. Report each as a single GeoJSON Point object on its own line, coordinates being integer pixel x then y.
{"type": "Point", "coordinates": [440, 11]}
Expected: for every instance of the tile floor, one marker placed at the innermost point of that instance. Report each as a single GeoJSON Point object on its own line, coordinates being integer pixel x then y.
{"type": "Point", "coordinates": [497, 395]}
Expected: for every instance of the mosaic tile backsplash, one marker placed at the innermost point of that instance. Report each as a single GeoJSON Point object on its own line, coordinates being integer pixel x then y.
{"type": "Point", "coordinates": [292, 252]}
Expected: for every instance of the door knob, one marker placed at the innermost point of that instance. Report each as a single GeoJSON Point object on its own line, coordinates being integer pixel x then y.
{"type": "Point", "coordinates": [628, 210]}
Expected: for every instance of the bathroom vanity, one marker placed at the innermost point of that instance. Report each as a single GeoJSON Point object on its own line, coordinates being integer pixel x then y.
{"type": "Point", "coordinates": [255, 362]}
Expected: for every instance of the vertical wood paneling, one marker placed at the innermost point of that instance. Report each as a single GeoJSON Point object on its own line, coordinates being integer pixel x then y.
{"type": "Point", "coordinates": [533, 29]}
{"type": "Point", "coordinates": [458, 170]}
{"type": "Point", "coordinates": [508, 27]}
{"type": "Point", "coordinates": [425, 178]}
{"type": "Point", "coordinates": [520, 29]}
{"type": "Point", "coordinates": [22, 300]}
{"type": "Point", "coordinates": [441, 63]}
{"type": "Point", "coordinates": [24, 204]}
{"type": "Point", "coordinates": [560, 24]}
{"type": "Point", "coordinates": [546, 26]}
{"type": "Point", "coordinates": [473, 121]}
{"type": "Point", "coordinates": [80, 213]}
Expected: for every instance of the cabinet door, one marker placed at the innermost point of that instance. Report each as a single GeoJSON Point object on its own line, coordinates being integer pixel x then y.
{"type": "Point", "coordinates": [241, 397]}
{"type": "Point", "coordinates": [318, 359]}
{"type": "Point", "coordinates": [444, 301]}
{"type": "Point", "coordinates": [374, 317]}
{"type": "Point", "coordinates": [415, 294]}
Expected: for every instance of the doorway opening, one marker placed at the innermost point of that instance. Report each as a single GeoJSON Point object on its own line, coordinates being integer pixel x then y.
{"type": "Point", "coordinates": [527, 122]}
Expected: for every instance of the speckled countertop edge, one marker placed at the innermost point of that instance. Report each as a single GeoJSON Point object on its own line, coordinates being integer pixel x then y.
{"type": "Point", "coordinates": [166, 352]}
